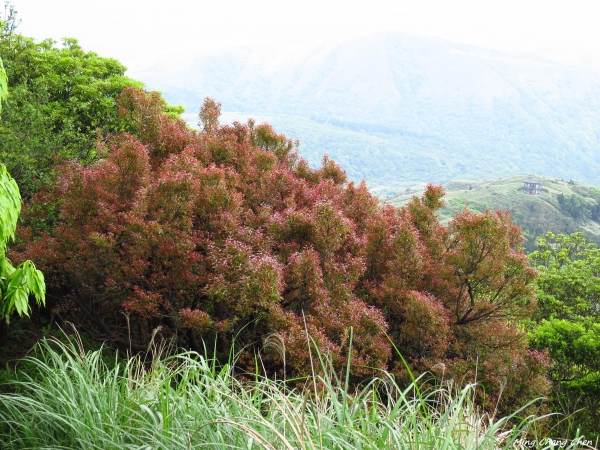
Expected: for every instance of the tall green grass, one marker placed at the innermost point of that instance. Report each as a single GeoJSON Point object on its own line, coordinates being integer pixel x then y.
{"type": "Point", "coordinates": [71, 399]}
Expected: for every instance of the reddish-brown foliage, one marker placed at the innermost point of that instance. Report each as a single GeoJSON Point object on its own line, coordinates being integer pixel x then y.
{"type": "Point", "coordinates": [227, 234]}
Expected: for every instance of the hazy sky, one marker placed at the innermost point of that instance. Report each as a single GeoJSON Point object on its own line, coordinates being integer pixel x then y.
{"type": "Point", "coordinates": [130, 29]}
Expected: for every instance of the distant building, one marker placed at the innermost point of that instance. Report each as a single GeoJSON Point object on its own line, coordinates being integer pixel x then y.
{"type": "Point", "coordinates": [533, 186]}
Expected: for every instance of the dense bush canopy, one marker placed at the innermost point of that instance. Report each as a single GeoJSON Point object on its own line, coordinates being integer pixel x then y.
{"type": "Point", "coordinates": [59, 98]}
{"type": "Point", "coordinates": [566, 324]}
{"type": "Point", "coordinates": [228, 235]}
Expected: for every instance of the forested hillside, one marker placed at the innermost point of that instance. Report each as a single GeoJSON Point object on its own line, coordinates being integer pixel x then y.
{"type": "Point", "coordinates": [564, 206]}
{"type": "Point", "coordinates": [398, 110]}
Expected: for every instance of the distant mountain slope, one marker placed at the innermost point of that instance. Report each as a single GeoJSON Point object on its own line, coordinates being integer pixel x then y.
{"type": "Point", "coordinates": [536, 215]}
{"type": "Point", "coordinates": [397, 110]}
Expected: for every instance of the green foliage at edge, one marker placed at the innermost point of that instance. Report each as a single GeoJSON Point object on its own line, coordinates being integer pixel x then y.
{"type": "Point", "coordinates": [16, 284]}
{"type": "Point", "coordinates": [3, 84]}
{"type": "Point", "coordinates": [566, 323]}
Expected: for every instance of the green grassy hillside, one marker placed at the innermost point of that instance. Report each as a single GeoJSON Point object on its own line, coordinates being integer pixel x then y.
{"type": "Point", "coordinates": [576, 210]}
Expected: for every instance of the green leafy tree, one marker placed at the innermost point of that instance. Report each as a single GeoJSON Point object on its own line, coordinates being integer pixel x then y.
{"type": "Point", "coordinates": [61, 100]}
{"type": "Point", "coordinates": [576, 206]}
{"type": "Point", "coordinates": [16, 284]}
{"type": "Point", "coordinates": [567, 325]}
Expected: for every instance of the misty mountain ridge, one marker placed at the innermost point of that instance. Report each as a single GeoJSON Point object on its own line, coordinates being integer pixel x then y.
{"type": "Point", "coordinates": [398, 110]}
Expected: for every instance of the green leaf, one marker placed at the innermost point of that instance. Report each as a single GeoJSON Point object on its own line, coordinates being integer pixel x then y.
{"type": "Point", "coordinates": [16, 284]}
{"type": "Point", "coordinates": [3, 84]}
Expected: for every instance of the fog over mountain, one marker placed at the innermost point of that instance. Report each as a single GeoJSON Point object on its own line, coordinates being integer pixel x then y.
{"type": "Point", "coordinates": [398, 110]}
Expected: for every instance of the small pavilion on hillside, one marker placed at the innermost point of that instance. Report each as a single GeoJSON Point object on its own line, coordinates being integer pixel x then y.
{"type": "Point", "coordinates": [533, 186]}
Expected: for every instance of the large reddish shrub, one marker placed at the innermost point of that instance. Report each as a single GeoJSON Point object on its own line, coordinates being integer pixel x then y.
{"type": "Point", "coordinates": [227, 234]}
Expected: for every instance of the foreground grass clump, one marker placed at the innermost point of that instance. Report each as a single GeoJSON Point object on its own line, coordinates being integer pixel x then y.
{"type": "Point", "coordinates": [72, 399]}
